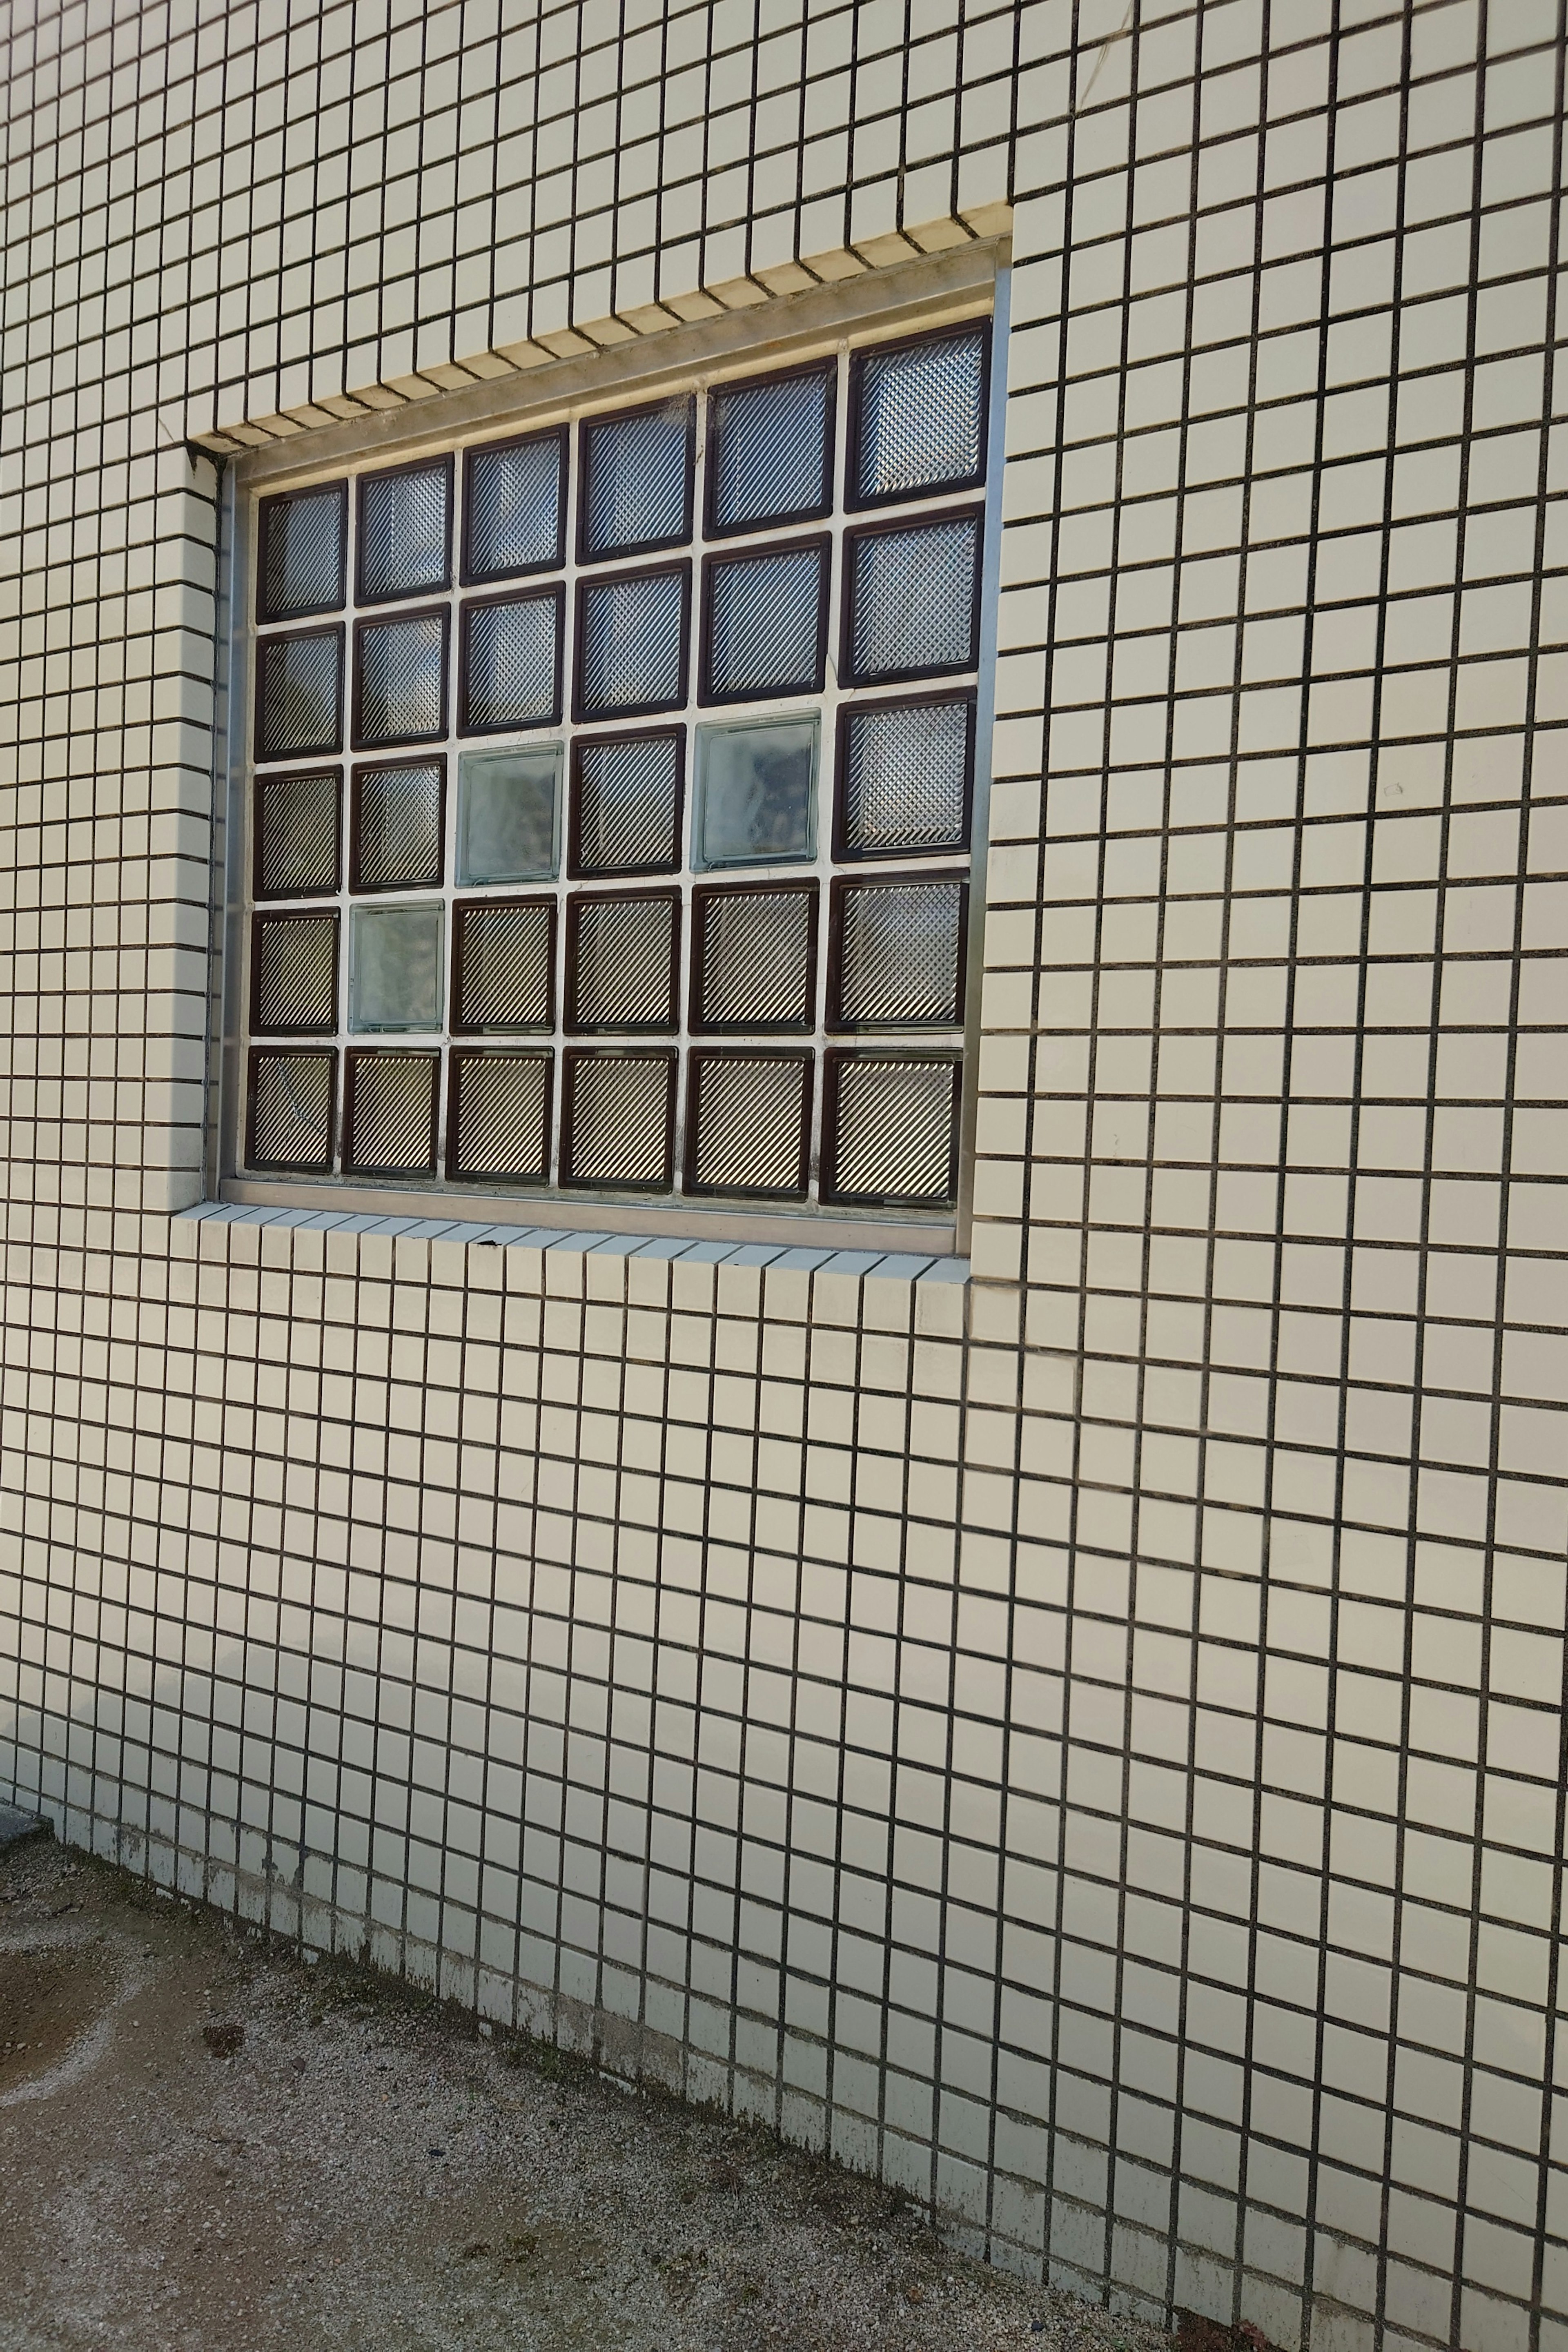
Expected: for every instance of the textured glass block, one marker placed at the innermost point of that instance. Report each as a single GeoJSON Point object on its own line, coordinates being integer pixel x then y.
{"type": "Point", "coordinates": [402, 691]}
{"type": "Point", "coordinates": [892, 1130]}
{"type": "Point", "coordinates": [508, 820]}
{"type": "Point", "coordinates": [404, 532]}
{"type": "Point", "coordinates": [297, 835]}
{"type": "Point", "coordinates": [300, 694]}
{"type": "Point", "coordinates": [389, 1116]}
{"type": "Point", "coordinates": [767, 618]}
{"type": "Point", "coordinates": [905, 782]}
{"type": "Point", "coordinates": [636, 485]}
{"type": "Point", "coordinates": [621, 970]}
{"type": "Point", "coordinates": [618, 1120]}
{"type": "Point", "coordinates": [291, 1110]}
{"type": "Point", "coordinates": [301, 567]}
{"type": "Point", "coordinates": [768, 451]}
{"type": "Point", "coordinates": [920, 417]}
{"type": "Point", "coordinates": [397, 826]}
{"type": "Point", "coordinates": [754, 959]}
{"type": "Point", "coordinates": [632, 652]}
{"type": "Point", "coordinates": [749, 1121]}
{"type": "Point", "coordinates": [395, 968]}
{"type": "Point", "coordinates": [627, 804]}
{"type": "Point", "coordinates": [514, 508]}
{"type": "Point", "coordinates": [504, 964]}
{"type": "Point", "coordinates": [756, 793]}
{"type": "Point", "coordinates": [913, 606]}
{"type": "Point", "coordinates": [899, 954]}
{"type": "Point", "coordinates": [294, 975]}
{"type": "Point", "coordinates": [511, 662]}
{"type": "Point", "coordinates": [500, 1116]}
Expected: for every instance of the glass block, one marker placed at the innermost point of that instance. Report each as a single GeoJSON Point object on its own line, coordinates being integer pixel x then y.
{"type": "Point", "coordinates": [753, 959]}
{"type": "Point", "coordinates": [515, 508]}
{"type": "Point", "coordinates": [509, 814]}
{"type": "Point", "coordinates": [397, 825]}
{"type": "Point", "coordinates": [395, 968]}
{"type": "Point", "coordinates": [294, 975]}
{"type": "Point", "coordinates": [914, 600]}
{"type": "Point", "coordinates": [749, 1123]}
{"type": "Point", "coordinates": [767, 623]}
{"type": "Point", "coordinates": [891, 1129]}
{"type": "Point", "coordinates": [756, 793]}
{"type": "Point", "coordinates": [898, 950]}
{"type": "Point", "coordinates": [905, 777]}
{"type": "Point", "coordinates": [627, 804]}
{"type": "Point", "coordinates": [618, 1120]}
{"type": "Point", "coordinates": [405, 532]}
{"type": "Point", "coordinates": [621, 960]}
{"type": "Point", "coordinates": [636, 485]}
{"type": "Point", "coordinates": [401, 693]}
{"type": "Point", "coordinates": [297, 835]}
{"type": "Point", "coordinates": [504, 964]}
{"type": "Point", "coordinates": [499, 1117]}
{"type": "Point", "coordinates": [302, 540]}
{"type": "Point", "coordinates": [632, 645]}
{"type": "Point", "coordinates": [300, 694]}
{"type": "Point", "coordinates": [291, 1110]}
{"type": "Point", "coordinates": [511, 662]}
{"type": "Point", "coordinates": [918, 417]}
{"type": "Point", "coordinates": [770, 451]}
{"type": "Point", "coordinates": [389, 1114]}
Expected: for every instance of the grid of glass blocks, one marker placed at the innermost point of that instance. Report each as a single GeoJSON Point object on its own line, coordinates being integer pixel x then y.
{"type": "Point", "coordinates": [611, 796]}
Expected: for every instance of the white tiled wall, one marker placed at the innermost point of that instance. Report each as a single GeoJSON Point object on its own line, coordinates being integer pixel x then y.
{"type": "Point", "coordinates": [1087, 1741]}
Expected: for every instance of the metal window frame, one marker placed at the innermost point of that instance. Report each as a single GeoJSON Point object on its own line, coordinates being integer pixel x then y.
{"type": "Point", "coordinates": [364, 483]}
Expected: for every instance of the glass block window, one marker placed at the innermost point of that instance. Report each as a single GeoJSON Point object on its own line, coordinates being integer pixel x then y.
{"type": "Point", "coordinates": [610, 794]}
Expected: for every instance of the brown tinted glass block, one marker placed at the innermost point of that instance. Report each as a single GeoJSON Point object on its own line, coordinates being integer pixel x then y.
{"type": "Point", "coordinates": [631, 643]}
{"type": "Point", "coordinates": [400, 695]}
{"type": "Point", "coordinates": [516, 507]}
{"type": "Point", "coordinates": [918, 418]}
{"type": "Point", "coordinates": [618, 1120]}
{"type": "Point", "coordinates": [499, 1117]}
{"type": "Point", "coordinates": [302, 541]}
{"type": "Point", "coordinates": [297, 835]}
{"type": "Point", "coordinates": [911, 600]}
{"type": "Point", "coordinates": [621, 960]}
{"type": "Point", "coordinates": [627, 803]}
{"type": "Point", "coordinates": [389, 1113]}
{"type": "Point", "coordinates": [898, 954]}
{"type": "Point", "coordinates": [766, 623]}
{"type": "Point", "coordinates": [636, 479]}
{"type": "Point", "coordinates": [510, 662]}
{"type": "Point", "coordinates": [300, 694]}
{"type": "Point", "coordinates": [397, 825]}
{"type": "Point", "coordinates": [749, 1123]}
{"type": "Point", "coordinates": [294, 975]}
{"type": "Point", "coordinates": [405, 531]}
{"type": "Point", "coordinates": [753, 958]}
{"type": "Point", "coordinates": [290, 1110]}
{"type": "Point", "coordinates": [890, 1130]}
{"type": "Point", "coordinates": [904, 772]}
{"type": "Point", "coordinates": [505, 963]}
{"type": "Point", "coordinates": [770, 451]}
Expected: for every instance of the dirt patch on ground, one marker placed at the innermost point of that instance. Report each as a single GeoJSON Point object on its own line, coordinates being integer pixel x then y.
{"type": "Point", "coordinates": [207, 2147]}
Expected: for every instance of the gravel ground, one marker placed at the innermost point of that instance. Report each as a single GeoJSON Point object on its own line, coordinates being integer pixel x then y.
{"type": "Point", "coordinates": [207, 2147]}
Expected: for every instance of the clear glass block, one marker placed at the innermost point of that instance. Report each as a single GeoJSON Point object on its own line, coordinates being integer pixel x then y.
{"type": "Point", "coordinates": [405, 533]}
{"type": "Point", "coordinates": [768, 447]}
{"type": "Point", "coordinates": [301, 568]}
{"type": "Point", "coordinates": [637, 480]}
{"type": "Point", "coordinates": [292, 1102]}
{"type": "Point", "coordinates": [756, 793]}
{"type": "Point", "coordinates": [395, 971]}
{"type": "Point", "coordinates": [515, 508]}
{"type": "Point", "coordinates": [300, 694]}
{"type": "Point", "coordinates": [509, 814]}
{"type": "Point", "coordinates": [920, 417]}
{"type": "Point", "coordinates": [766, 624]}
{"type": "Point", "coordinates": [402, 690]}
